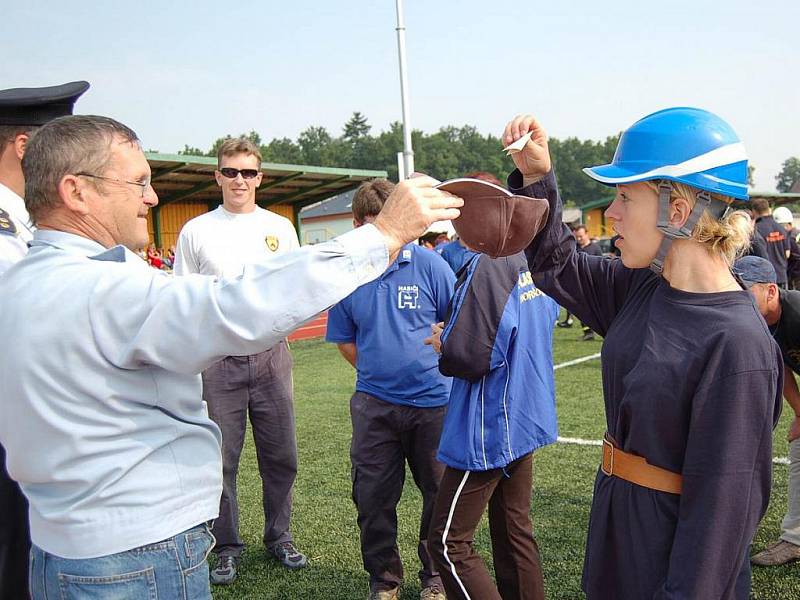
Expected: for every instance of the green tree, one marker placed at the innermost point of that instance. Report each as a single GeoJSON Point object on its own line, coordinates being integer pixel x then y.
{"type": "Point", "coordinates": [789, 175]}
{"type": "Point", "coordinates": [252, 136]}
{"type": "Point", "coordinates": [191, 151]}
{"type": "Point", "coordinates": [450, 152]}
{"type": "Point", "coordinates": [314, 143]}
{"type": "Point", "coordinates": [356, 127]}
{"type": "Point", "coordinates": [282, 150]}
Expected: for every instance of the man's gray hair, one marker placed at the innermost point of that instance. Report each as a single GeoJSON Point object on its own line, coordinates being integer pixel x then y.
{"type": "Point", "coordinates": [67, 145]}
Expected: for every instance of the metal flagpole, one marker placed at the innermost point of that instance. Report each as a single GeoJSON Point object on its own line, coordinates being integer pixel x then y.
{"type": "Point", "coordinates": [408, 153]}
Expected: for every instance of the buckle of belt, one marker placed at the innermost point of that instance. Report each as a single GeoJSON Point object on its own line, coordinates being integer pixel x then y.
{"type": "Point", "coordinates": [607, 464]}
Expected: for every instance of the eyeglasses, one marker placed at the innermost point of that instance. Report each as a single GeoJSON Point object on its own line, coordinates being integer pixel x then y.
{"type": "Point", "coordinates": [232, 173]}
{"type": "Point", "coordinates": [142, 184]}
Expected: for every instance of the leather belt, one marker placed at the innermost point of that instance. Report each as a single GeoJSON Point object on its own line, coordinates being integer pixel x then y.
{"type": "Point", "coordinates": [617, 463]}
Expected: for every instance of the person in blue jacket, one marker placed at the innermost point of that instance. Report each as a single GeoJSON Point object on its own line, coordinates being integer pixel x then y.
{"type": "Point", "coordinates": [691, 375]}
{"type": "Point", "coordinates": [497, 346]}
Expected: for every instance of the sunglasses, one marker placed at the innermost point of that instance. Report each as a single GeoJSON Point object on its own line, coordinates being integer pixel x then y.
{"type": "Point", "coordinates": [232, 173]}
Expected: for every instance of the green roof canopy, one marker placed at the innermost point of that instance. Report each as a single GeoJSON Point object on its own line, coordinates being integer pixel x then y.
{"type": "Point", "coordinates": [182, 177]}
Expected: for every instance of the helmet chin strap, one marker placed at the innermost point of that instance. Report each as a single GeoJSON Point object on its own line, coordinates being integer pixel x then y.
{"type": "Point", "coordinates": [703, 202]}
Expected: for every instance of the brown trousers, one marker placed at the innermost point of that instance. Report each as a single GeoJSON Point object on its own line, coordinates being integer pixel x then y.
{"type": "Point", "coordinates": [463, 496]}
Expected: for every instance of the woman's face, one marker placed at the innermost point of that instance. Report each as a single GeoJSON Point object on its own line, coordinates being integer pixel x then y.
{"type": "Point", "coordinates": [635, 214]}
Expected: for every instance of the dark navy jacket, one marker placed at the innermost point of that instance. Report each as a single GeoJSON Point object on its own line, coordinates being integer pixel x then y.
{"type": "Point", "coordinates": [497, 346]}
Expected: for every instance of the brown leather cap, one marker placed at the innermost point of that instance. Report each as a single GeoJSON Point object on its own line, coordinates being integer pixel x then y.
{"type": "Point", "coordinates": [494, 221]}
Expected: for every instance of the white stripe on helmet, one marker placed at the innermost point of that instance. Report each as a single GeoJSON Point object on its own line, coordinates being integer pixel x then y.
{"type": "Point", "coordinates": [724, 155]}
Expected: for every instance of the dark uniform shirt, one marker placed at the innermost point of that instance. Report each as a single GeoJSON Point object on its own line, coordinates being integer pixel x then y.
{"type": "Point", "coordinates": [793, 265]}
{"type": "Point", "coordinates": [692, 382]}
{"type": "Point", "coordinates": [777, 245]}
{"type": "Point", "coordinates": [787, 330]}
{"type": "Point", "coordinates": [591, 249]}
{"type": "Point", "coordinates": [758, 246]}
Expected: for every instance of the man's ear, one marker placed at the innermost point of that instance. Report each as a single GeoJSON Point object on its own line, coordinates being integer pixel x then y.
{"type": "Point", "coordinates": [20, 142]}
{"type": "Point", "coordinates": [218, 177]}
{"type": "Point", "coordinates": [70, 190]}
{"type": "Point", "coordinates": [772, 292]}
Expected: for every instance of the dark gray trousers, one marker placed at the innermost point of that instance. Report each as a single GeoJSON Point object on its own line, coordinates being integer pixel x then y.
{"type": "Point", "coordinates": [259, 386]}
{"type": "Point", "coordinates": [385, 436]}
{"type": "Point", "coordinates": [15, 539]}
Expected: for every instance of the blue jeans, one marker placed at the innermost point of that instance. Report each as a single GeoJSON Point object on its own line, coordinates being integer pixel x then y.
{"type": "Point", "coordinates": [174, 569]}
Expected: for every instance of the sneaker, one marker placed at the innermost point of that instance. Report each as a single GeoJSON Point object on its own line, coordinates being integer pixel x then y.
{"type": "Point", "coordinates": [588, 336]}
{"type": "Point", "coordinates": [288, 555]}
{"type": "Point", "coordinates": [432, 592]}
{"type": "Point", "coordinates": [777, 553]}
{"type": "Point", "coordinates": [225, 571]}
{"type": "Point", "coordinates": [565, 324]}
{"type": "Point", "coordinates": [384, 594]}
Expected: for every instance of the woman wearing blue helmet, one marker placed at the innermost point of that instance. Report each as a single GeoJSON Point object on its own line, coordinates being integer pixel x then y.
{"type": "Point", "coordinates": [691, 375]}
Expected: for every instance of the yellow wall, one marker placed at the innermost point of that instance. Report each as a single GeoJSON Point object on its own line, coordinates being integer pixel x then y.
{"type": "Point", "coordinates": [596, 223]}
{"type": "Point", "coordinates": [284, 210]}
{"type": "Point", "coordinates": [175, 215]}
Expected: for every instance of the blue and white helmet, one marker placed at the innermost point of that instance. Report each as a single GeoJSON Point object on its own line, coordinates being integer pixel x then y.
{"type": "Point", "coordinates": [687, 145]}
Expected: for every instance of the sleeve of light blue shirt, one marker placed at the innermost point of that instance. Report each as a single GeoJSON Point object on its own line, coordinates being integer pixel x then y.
{"type": "Point", "coordinates": [185, 324]}
{"type": "Point", "coordinates": [341, 327]}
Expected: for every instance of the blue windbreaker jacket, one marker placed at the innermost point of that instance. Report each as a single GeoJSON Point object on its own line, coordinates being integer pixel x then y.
{"type": "Point", "coordinates": [497, 346]}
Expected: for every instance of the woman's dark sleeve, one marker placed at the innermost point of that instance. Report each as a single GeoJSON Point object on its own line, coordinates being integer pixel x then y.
{"type": "Point", "coordinates": [593, 288]}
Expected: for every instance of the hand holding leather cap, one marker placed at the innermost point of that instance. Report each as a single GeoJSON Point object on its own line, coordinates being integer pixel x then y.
{"type": "Point", "coordinates": [494, 221]}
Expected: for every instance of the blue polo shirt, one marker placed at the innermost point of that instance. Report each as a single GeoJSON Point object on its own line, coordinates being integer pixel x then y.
{"type": "Point", "coordinates": [456, 255]}
{"type": "Point", "coordinates": [388, 319]}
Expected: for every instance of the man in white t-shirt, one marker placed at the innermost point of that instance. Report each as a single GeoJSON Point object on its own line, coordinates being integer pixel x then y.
{"type": "Point", "coordinates": [222, 243]}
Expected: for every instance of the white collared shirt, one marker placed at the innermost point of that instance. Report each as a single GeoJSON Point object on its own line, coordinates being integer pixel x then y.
{"type": "Point", "coordinates": [100, 394]}
{"type": "Point", "coordinates": [15, 228]}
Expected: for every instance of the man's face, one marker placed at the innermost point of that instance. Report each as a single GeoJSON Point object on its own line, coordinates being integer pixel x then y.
{"type": "Point", "coordinates": [766, 294]}
{"type": "Point", "coordinates": [238, 193]}
{"type": "Point", "coordinates": [581, 236]}
{"type": "Point", "coordinates": [118, 208]}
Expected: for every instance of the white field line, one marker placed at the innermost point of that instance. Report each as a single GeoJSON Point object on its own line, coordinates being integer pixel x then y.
{"type": "Point", "coordinates": [577, 361]}
{"type": "Point", "coordinates": [779, 460]}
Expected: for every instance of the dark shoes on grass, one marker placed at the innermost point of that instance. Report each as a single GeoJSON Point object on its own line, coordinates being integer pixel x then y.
{"type": "Point", "coordinates": [777, 553]}
{"type": "Point", "coordinates": [288, 555]}
{"type": "Point", "coordinates": [225, 571]}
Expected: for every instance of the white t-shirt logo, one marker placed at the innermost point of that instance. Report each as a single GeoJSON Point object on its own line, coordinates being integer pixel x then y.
{"type": "Point", "coordinates": [407, 296]}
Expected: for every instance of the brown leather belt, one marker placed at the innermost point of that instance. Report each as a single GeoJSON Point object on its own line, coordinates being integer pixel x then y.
{"type": "Point", "coordinates": [637, 470]}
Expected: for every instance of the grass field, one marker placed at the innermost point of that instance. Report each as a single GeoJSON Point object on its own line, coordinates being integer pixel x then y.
{"type": "Point", "coordinates": [324, 519]}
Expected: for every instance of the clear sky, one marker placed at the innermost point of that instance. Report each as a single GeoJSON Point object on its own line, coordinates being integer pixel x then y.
{"type": "Point", "coordinates": [183, 72]}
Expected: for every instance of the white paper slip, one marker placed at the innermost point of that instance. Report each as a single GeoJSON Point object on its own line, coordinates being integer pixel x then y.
{"type": "Point", "coordinates": [515, 147]}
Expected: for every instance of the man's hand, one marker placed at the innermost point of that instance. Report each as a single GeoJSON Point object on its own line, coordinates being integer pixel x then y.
{"type": "Point", "coordinates": [794, 429]}
{"type": "Point", "coordinates": [533, 161]}
{"type": "Point", "coordinates": [435, 339]}
{"type": "Point", "coordinates": [411, 208]}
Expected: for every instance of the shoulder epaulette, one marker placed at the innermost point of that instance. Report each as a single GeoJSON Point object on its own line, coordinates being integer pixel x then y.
{"type": "Point", "coordinates": [7, 225]}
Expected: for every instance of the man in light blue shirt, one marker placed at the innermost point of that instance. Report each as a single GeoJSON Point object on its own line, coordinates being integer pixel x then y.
{"type": "Point", "coordinates": [103, 354]}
